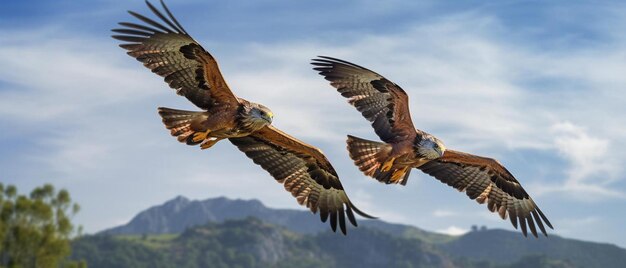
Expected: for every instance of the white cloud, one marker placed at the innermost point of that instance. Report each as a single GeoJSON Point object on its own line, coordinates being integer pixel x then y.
{"type": "Point", "coordinates": [444, 213]}
{"type": "Point", "coordinates": [51, 75]}
{"type": "Point", "coordinates": [453, 230]}
{"type": "Point", "coordinates": [592, 170]}
{"type": "Point", "coordinates": [588, 155]}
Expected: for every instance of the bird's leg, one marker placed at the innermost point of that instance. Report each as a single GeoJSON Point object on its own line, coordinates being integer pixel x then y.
{"type": "Point", "coordinates": [388, 164]}
{"type": "Point", "coordinates": [398, 174]}
{"type": "Point", "coordinates": [200, 136]}
{"type": "Point", "coordinates": [208, 143]}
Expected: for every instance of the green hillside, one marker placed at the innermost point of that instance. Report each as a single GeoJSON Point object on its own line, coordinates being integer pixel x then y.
{"type": "Point", "coordinates": [253, 243]}
{"type": "Point", "coordinates": [222, 232]}
{"type": "Point", "coordinates": [501, 246]}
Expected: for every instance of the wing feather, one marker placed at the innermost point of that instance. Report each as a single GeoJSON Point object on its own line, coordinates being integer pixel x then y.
{"type": "Point", "coordinates": [379, 100]}
{"type": "Point", "coordinates": [169, 51]}
{"type": "Point", "coordinates": [304, 171]}
{"type": "Point", "coordinates": [485, 180]}
{"type": "Point", "coordinates": [140, 27]}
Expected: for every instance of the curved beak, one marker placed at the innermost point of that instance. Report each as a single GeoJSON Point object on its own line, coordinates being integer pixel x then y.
{"type": "Point", "coordinates": [269, 117]}
{"type": "Point", "coordinates": [442, 150]}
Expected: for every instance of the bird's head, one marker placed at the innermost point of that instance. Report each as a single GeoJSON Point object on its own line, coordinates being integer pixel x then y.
{"type": "Point", "coordinates": [260, 112]}
{"type": "Point", "coordinates": [431, 147]}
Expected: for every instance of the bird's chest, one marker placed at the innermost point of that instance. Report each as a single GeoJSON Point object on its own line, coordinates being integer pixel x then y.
{"type": "Point", "coordinates": [246, 126]}
{"type": "Point", "coordinates": [224, 123]}
{"type": "Point", "coordinates": [406, 155]}
{"type": "Point", "coordinates": [402, 150]}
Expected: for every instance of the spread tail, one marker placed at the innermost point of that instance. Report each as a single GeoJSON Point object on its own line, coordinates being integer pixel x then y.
{"type": "Point", "coordinates": [181, 125]}
{"type": "Point", "coordinates": [373, 160]}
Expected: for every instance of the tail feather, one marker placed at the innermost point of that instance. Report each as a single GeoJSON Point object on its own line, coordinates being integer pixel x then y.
{"type": "Point", "coordinates": [370, 156]}
{"type": "Point", "coordinates": [367, 155]}
{"type": "Point", "coordinates": [180, 123]}
{"type": "Point", "coordinates": [405, 178]}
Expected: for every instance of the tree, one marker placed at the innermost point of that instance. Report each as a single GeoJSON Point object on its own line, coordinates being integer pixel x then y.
{"type": "Point", "coordinates": [35, 230]}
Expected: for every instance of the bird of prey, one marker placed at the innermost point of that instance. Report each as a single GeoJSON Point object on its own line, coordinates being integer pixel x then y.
{"type": "Point", "coordinates": [404, 147]}
{"type": "Point", "coordinates": [169, 51]}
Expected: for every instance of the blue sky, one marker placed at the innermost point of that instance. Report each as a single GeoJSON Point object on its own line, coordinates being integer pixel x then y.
{"type": "Point", "coordinates": [538, 85]}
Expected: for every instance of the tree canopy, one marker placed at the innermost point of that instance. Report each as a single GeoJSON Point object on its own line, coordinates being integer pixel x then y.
{"type": "Point", "coordinates": [36, 229]}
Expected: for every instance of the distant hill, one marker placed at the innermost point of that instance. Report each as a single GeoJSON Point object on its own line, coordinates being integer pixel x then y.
{"type": "Point", "coordinates": [253, 243]}
{"type": "Point", "coordinates": [501, 246]}
{"type": "Point", "coordinates": [180, 213]}
{"type": "Point", "coordinates": [176, 215]}
{"type": "Point", "coordinates": [273, 237]}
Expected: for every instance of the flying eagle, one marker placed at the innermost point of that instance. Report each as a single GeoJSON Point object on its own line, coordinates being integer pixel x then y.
{"type": "Point", "coordinates": [386, 105]}
{"type": "Point", "coordinates": [169, 51]}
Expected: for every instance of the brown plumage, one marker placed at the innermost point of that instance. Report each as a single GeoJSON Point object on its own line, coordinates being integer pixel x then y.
{"type": "Point", "coordinates": [386, 106]}
{"type": "Point", "coordinates": [169, 51]}
{"type": "Point", "coordinates": [303, 170]}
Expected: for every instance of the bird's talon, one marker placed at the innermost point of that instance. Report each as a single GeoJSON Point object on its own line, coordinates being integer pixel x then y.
{"type": "Point", "coordinates": [200, 136]}
{"type": "Point", "coordinates": [398, 174]}
{"type": "Point", "coordinates": [208, 143]}
{"type": "Point", "coordinates": [387, 165]}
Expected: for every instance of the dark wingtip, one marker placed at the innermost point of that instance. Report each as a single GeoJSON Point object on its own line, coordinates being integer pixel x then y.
{"type": "Point", "coordinates": [539, 223]}
{"type": "Point", "coordinates": [342, 220]}
{"type": "Point", "coordinates": [169, 14]}
{"type": "Point", "coordinates": [545, 219]}
{"type": "Point", "coordinates": [523, 226]}
{"type": "Point", "coordinates": [149, 4]}
{"type": "Point", "coordinates": [128, 38]}
{"type": "Point", "coordinates": [361, 213]}
{"type": "Point", "coordinates": [351, 217]}
{"type": "Point", "coordinates": [531, 226]}
{"type": "Point", "coordinates": [323, 215]}
{"type": "Point", "coordinates": [319, 58]}
{"type": "Point", "coordinates": [327, 58]}
{"type": "Point", "coordinates": [333, 221]}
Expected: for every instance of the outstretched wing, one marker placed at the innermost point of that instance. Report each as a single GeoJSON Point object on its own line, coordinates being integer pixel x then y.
{"type": "Point", "coordinates": [379, 100]}
{"type": "Point", "coordinates": [170, 52]}
{"type": "Point", "coordinates": [304, 171]}
{"type": "Point", "coordinates": [485, 180]}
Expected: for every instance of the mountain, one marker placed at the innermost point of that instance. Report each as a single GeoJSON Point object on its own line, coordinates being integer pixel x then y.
{"type": "Point", "coordinates": [176, 215]}
{"type": "Point", "coordinates": [253, 243]}
{"type": "Point", "coordinates": [273, 237]}
{"type": "Point", "coordinates": [180, 213]}
{"type": "Point", "coordinates": [501, 246]}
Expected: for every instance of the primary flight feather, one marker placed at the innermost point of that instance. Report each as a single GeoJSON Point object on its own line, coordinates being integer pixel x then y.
{"type": "Point", "coordinates": [169, 51]}
{"type": "Point", "coordinates": [386, 106]}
